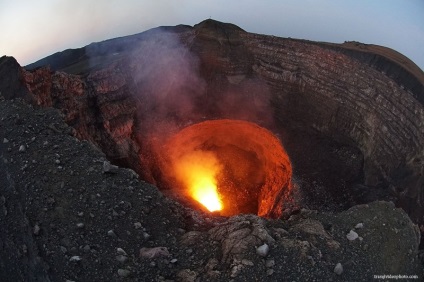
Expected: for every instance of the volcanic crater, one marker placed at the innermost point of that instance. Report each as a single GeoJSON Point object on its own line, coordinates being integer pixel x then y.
{"type": "Point", "coordinates": [273, 125]}
{"type": "Point", "coordinates": [349, 118]}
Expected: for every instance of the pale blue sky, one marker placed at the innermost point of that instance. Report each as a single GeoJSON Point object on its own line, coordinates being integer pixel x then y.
{"type": "Point", "coordinates": [31, 30]}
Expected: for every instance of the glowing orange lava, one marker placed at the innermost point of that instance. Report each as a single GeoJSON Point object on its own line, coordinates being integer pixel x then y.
{"type": "Point", "coordinates": [230, 166]}
{"type": "Point", "coordinates": [198, 171]}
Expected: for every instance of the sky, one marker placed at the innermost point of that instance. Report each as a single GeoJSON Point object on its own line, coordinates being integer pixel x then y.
{"type": "Point", "coordinates": [31, 30]}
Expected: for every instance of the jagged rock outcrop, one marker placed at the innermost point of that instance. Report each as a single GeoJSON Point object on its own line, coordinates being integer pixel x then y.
{"type": "Point", "coordinates": [98, 107]}
{"type": "Point", "coordinates": [12, 82]}
{"type": "Point", "coordinates": [368, 105]}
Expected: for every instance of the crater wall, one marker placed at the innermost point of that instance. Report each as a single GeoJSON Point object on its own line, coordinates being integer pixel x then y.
{"type": "Point", "coordinates": [368, 101]}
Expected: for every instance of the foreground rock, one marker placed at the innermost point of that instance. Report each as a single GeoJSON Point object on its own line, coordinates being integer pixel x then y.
{"type": "Point", "coordinates": [74, 205]}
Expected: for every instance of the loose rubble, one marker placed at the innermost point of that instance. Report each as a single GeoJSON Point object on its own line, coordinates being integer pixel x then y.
{"type": "Point", "coordinates": [262, 250]}
{"type": "Point", "coordinates": [124, 272]}
{"type": "Point", "coordinates": [338, 269]}
{"type": "Point", "coordinates": [352, 235]}
{"type": "Point", "coordinates": [68, 226]}
{"type": "Point", "coordinates": [75, 258]}
{"type": "Point", "coordinates": [359, 226]}
{"type": "Point", "coordinates": [154, 252]}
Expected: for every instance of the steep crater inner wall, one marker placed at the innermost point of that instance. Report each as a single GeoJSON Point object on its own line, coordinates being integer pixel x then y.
{"type": "Point", "coordinates": [346, 99]}
{"type": "Point", "coordinates": [362, 131]}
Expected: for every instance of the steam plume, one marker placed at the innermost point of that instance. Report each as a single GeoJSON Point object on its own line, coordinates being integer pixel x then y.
{"type": "Point", "coordinates": [166, 75]}
{"type": "Point", "coordinates": [173, 93]}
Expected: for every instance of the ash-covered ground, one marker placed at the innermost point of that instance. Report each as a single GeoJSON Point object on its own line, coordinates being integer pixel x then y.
{"type": "Point", "coordinates": [67, 214]}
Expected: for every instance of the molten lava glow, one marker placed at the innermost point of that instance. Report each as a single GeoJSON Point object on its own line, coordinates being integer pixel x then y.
{"type": "Point", "coordinates": [198, 171]}
{"type": "Point", "coordinates": [228, 165]}
{"type": "Point", "coordinates": [204, 191]}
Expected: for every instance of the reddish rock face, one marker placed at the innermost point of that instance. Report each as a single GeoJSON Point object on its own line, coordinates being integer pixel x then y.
{"type": "Point", "coordinates": [124, 91]}
{"type": "Point", "coordinates": [97, 107]}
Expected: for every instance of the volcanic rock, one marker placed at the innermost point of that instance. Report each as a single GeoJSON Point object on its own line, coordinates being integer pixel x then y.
{"type": "Point", "coordinates": [219, 246]}
{"type": "Point", "coordinates": [352, 235]}
{"type": "Point", "coordinates": [75, 258]}
{"type": "Point", "coordinates": [124, 272]}
{"type": "Point", "coordinates": [154, 252]}
{"type": "Point", "coordinates": [338, 269]}
{"type": "Point", "coordinates": [262, 250]}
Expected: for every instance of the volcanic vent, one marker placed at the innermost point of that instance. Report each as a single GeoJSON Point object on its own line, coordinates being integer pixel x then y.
{"type": "Point", "coordinates": [230, 166]}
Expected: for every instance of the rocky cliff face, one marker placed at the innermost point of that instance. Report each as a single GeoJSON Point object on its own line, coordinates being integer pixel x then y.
{"type": "Point", "coordinates": [351, 121]}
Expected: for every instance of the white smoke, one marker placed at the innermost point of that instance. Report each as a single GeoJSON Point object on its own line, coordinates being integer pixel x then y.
{"type": "Point", "coordinates": [167, 77]}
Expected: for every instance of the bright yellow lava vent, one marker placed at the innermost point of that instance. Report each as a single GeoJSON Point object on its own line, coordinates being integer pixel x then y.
{"type": "Point", "coordinates": [198, 170]}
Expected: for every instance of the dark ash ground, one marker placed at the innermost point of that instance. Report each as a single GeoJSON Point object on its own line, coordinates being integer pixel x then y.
{"type": "Point", "coordinates": [67, 216]}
